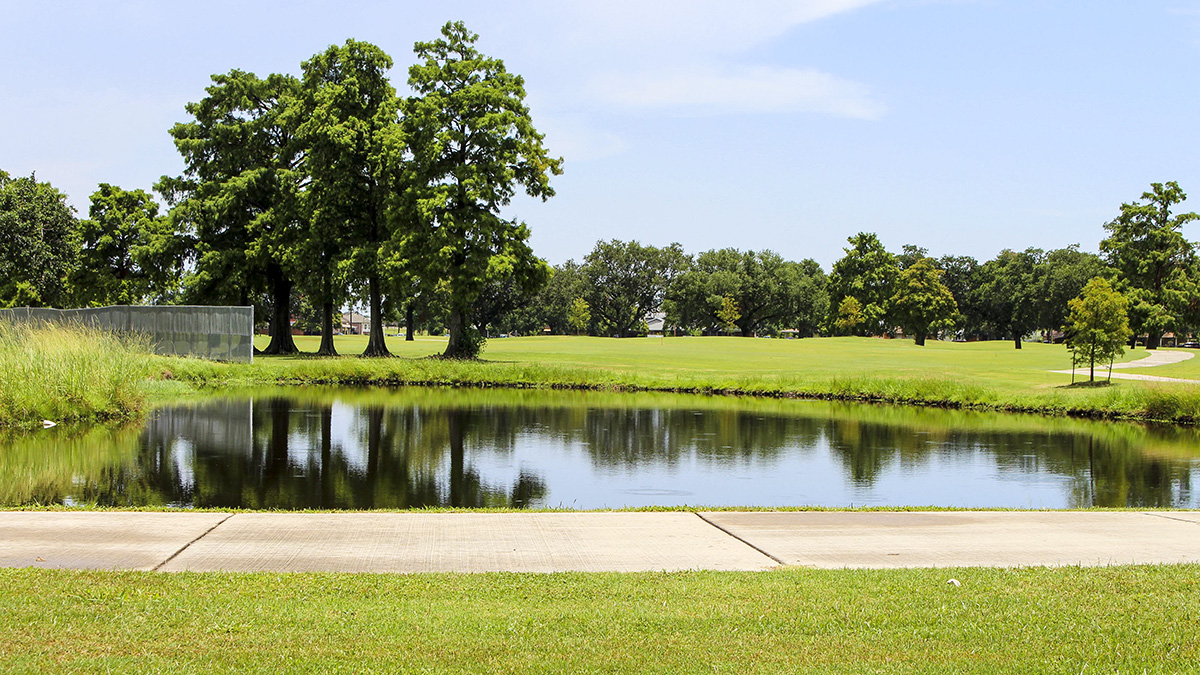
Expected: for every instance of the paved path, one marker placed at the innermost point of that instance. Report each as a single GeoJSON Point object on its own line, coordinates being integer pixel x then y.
{"type": "Point", "coordinates": [592, 542]}
{"type": "Point", "coordinates": [1157, 357]}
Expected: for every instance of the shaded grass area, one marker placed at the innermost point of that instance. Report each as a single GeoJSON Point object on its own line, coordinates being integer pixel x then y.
{"type": "Point", "coordinates": [69, 374]}
{"type": "Point", "coordinates": [1121, 619]}
{"type": "Point", "coordinates": [984, 375]}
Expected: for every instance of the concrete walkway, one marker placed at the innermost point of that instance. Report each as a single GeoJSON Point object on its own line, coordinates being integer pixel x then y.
{"type": "Point", "coordinates": [591, 542]}
{"type": "Point", "coordinates": [1153, 358]}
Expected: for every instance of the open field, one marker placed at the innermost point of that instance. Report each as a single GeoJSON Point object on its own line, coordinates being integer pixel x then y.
{"type": "Point", "coordinates": [1114, 619]}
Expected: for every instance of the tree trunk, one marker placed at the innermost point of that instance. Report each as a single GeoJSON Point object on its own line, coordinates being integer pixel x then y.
{"type": "Point", "coordinates": [375, 344]}
{"type": "Point", "coordinates": [919, 338]}
{"type": "Point", "coordinates": [1092, 364]}
{"type": "Point", "coordinates": [1017, 341]}
{"type": "Point", "coordinates": [327, 348]}
{"type": "Point", "coordinates": [408, 323]}
{"type": "Point", "coordinates": [1153, 340]}
{"type": "Point", "coordinates": [281, 314]}
{"type": "Point", "coordinates": [457, 325]}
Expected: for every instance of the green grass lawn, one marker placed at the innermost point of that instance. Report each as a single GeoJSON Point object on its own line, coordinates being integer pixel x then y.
{"type": "Point", "coordinates": [983, 375]}
{"type": "Point", "coordinates": [734, 359]}
{"type": "Point", "coordinates": [1037, 620]}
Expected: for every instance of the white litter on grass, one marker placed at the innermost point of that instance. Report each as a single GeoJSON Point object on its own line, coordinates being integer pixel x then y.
{"type": "Point", "coordinates": [954, 582]}
{"type": "Point", "coordinates": [46, 424]}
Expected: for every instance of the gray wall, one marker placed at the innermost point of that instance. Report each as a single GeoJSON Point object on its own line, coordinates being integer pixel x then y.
{"type": "Point", "coordinates": [218, 333]}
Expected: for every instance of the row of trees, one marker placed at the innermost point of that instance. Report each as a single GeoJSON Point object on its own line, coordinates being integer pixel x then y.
{"type": "Point", "coordinates": [871, 291]}
{"type": "Point", "coordinates": [328, 187]}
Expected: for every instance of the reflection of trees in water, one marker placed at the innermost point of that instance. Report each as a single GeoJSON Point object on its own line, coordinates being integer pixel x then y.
{"type": "Point", "coordinates": [271, 454]}
{"type": "Point", "coordinates": [1101, 474]}
{"type": "Point", "coordinates": [315, 452]}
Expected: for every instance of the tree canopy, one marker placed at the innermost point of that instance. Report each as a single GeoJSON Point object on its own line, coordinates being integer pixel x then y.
{"type": "Point", "coordinates": [868, 273]}
{"type": "Point", "coordinates": [1147, 248]}
{"type": "Point", "coordinates": [625, 281]}
{"type": "Point", "coordinates": [922, 304]}
{"type": "Point", "coordinates": [39, 246]}
{"type": "Point", "coordinates": [235, 205]}
{"type": "Point", "coordinates": [349, 134]}
{"type": "Point", "coordinates": [472, 144]}
{"type": "Point", "coordinates": [1097, 325]}
{"type": "Point", "coordinates": [128, 256]}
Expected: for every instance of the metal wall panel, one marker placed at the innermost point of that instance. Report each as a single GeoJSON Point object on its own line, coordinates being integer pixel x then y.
{"type": "Point", "coordinates": [217, 333]}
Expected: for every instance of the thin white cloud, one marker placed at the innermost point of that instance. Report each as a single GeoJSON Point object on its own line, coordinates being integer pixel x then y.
{"type": "Point", "coordinates": [755, 89]}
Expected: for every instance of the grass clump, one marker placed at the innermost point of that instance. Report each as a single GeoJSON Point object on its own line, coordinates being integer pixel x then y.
{"type": "Point", "coordinates": [69, 373]}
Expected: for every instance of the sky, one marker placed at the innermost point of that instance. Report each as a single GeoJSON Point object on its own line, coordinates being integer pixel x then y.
{"type": "Point", "coordinates": [961, 126]}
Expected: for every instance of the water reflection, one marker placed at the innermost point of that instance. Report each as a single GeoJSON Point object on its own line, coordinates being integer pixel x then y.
{"type": "Point", "coordinates": [356, 449]}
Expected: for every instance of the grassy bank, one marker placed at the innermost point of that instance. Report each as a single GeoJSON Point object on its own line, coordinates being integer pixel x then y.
{"type": "Point", "coordinates": [68, 374]}
{"type": "Point", "coordinates": [983, 376]}
{"type": "Point", "coordinates": [1121, 619]}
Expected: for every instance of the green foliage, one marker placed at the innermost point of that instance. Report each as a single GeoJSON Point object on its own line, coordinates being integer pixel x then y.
{"type": "Point", "coordinates": [39, 246]}
{"type": "Point", "coordinates": [1146, 247]}
{"type": "Point", "coordinates": [1098, 325]}
{"type": "Point", "coordinates": [728, 315]}
{"type": "Point", "coordinates": [963, 276]}
{"type": "Point", "coordinates": [849, 316]}
{"type": "Point", "coordinates": [868, 273]}
{"type": "Point", "coordinates": [770, 292]}
{"type": "Point", "coordinates": [625, 281]}
{"type": "Point", "coordinates": [472, 143]}
{"type": "Point", "coordinates": [235, 207]}
{"type": "Point", "coordinates": [922, 303]}
{"type": "Point", "coordinates": [1008, 292]}
{"type": "Point", "coordinates": [129, 256]}
{"type": "Point", "coordinates": [507, 288]}
{"type": "Point", "coordinates": [1061, 276]}
{"type": "Point", "coordinates": [347, 126]}
{"type": "Point", "coordinates": [579, 316]}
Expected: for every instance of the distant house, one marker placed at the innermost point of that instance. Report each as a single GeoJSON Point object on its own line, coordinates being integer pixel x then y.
{"type": "Point", "coordinates": [655, 323]}
{"type": "Point", "coordinates": [354, 323]}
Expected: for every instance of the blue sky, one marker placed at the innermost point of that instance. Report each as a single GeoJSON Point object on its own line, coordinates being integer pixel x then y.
{"type": "Point", "coordinates": [964, 126]}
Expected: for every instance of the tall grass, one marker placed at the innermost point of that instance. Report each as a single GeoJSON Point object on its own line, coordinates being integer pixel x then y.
{"type": "Point", "coordinates": [68, 373]}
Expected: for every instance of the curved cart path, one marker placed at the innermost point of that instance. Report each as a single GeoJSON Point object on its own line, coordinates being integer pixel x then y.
{"type": "Point", "coordinates": [1153, 358]}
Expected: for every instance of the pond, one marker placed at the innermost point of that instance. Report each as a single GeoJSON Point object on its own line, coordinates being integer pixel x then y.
{"type": "Point", "coordinates": [302, 448]}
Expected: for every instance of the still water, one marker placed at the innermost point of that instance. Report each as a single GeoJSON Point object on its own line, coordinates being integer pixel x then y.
{"type": "Point", "coordinates": [367, 448]}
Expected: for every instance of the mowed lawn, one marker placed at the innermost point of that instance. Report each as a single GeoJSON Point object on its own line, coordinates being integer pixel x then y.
{"type": "Point", "coordinates": [1033, 620]}
{"type": "Point", "coordinates": [734, 361]}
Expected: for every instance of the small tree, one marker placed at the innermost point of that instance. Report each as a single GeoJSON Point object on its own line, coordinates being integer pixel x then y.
{"type": "Point", "coordinates": [728, 314]}
{"type": "Point", "coordinates": [849, 315]}
{"type": "Point", "coordinates": [1097, 326]}
{"type": "Point", "coordinates": [922, 303]}
{"type": "Point", "coordinates": [579, 315]}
